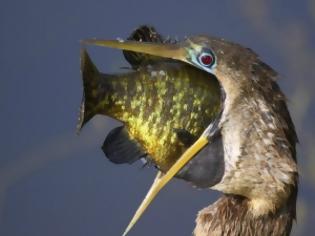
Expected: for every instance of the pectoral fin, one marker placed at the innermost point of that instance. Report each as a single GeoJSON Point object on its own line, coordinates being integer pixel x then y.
{"type": "Point", "coordinates": [120, 148]}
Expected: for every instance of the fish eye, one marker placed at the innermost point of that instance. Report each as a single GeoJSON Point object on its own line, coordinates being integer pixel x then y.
{"type": "Point", "coordinates": [206, 59]}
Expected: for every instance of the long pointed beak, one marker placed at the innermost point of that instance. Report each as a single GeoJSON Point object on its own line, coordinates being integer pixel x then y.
{"type": "Point", "coordinates": [172, 51]}
{"type": "Point", "coordinates": [162, 179]}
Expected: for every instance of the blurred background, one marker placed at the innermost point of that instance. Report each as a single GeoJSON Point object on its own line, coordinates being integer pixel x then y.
{"type": "Point", "coordinates": [54, 182]}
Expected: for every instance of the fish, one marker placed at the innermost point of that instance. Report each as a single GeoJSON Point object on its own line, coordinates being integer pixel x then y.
{"type": "Point", "coordinates": [163, 105]}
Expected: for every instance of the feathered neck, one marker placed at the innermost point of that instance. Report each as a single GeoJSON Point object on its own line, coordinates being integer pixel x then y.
{"type": "Point", "coordinates": [230, 216]}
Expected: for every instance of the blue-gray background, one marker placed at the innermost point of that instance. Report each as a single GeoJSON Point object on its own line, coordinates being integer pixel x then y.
{"type": "Point", "coordinates": [53, 182]}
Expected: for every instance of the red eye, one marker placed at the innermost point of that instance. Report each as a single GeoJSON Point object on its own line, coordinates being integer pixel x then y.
{"type": "Point", "coordinates": [206, 59]}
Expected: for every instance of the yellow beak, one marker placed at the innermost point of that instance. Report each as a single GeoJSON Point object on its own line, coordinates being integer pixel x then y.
{"type": "Point", "coordinates": [162, 179]}
{"type": "Point", "coordinates": [172, 51]}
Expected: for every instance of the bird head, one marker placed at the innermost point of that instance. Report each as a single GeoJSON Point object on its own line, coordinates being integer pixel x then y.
{"type": "Point", "coordinates": [197, 51]}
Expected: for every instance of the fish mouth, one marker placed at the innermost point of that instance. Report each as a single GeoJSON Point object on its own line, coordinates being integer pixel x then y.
{"type": "Point", "coordinates": [176, 51]}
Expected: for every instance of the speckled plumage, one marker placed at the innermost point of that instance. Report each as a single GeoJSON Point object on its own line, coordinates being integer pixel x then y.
{"type": "Point", "coordinates": [259, 150]}
{"type": "Point", "coordinates": [230, 216]}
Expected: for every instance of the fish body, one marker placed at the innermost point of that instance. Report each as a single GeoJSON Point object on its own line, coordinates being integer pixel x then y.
{"type": "Point", "coordinates": [163, 106]}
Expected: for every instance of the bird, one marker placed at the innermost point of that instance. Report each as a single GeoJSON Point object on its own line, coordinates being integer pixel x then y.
{"type": "Point", "coordinates": [250, 145]}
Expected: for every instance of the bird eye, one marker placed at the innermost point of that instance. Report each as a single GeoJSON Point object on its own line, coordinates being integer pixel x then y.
{"type": "Point", "coordinates": [206, 59]}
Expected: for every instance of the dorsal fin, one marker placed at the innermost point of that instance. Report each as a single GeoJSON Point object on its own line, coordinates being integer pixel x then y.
{"type": "Point", "coordinates": [120, 148]}
{"type": "Point", "coordinates": [143, 33]}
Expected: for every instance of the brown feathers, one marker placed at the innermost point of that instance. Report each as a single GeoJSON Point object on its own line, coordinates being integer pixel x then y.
{"type": "Point", "coordinates": [230, 216]}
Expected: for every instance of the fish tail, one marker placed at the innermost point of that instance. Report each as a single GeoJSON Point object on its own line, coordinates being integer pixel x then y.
{"type": "Point", "coordinates": [92, 91]}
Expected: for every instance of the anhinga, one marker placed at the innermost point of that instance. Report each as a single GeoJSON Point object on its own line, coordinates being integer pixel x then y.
{"type": "Point", "coordinates": [247, 152]}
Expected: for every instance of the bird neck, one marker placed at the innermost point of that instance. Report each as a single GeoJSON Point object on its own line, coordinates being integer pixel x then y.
{"type": "Point", "coordinates": [259, 150]}
{"type": "Point", "coordinates": [231, 215]}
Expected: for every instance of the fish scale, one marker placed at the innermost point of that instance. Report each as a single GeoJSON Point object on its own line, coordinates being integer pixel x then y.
{"type": "Point", "coordinates": [177, 96]}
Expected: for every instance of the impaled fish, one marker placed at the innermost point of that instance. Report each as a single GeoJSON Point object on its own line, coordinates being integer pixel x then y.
{"type": "Point", "coordinates": [165, 106]}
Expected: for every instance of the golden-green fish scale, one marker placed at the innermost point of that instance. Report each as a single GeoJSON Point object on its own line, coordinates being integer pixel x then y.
{"type": "Point", "coordinates": [155, 101]}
